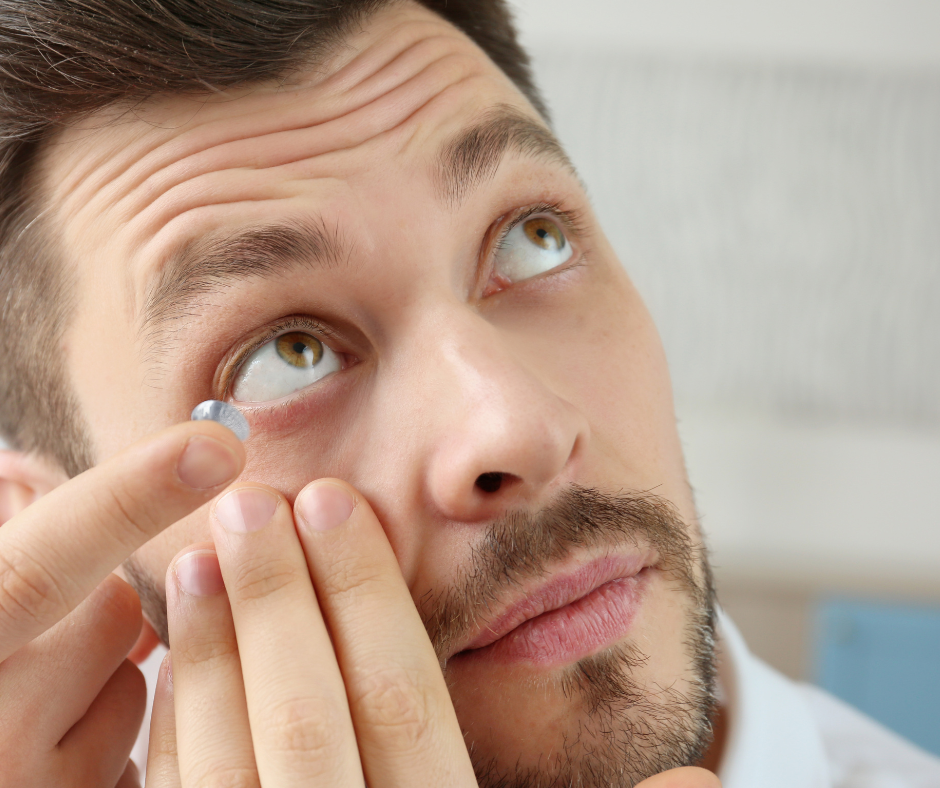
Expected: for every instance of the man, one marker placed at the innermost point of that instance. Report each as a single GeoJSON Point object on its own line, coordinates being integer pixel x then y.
{"type": "Point", "coordinates": [351, 221]}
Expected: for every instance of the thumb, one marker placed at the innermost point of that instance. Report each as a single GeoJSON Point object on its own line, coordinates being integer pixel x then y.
{"type": "Point", "coordinates": [686, 777]}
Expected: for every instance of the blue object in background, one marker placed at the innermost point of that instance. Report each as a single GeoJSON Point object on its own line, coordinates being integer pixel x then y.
{"type": "Point", "coordinates": [885, 660]}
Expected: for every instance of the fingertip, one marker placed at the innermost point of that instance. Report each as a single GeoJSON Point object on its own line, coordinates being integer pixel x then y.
{"type": "Point", "coordinates": [183, 572]}
{"type": "Point", "coordinates": [325, 504]}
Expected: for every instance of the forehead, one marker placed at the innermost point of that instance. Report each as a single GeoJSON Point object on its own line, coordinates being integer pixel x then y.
{"type": "Point", "coordinates": [132, 184]}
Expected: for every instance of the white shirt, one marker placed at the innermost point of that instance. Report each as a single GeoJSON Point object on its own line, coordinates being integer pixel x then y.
{"type": "Point", "coordinates": [781, 734]}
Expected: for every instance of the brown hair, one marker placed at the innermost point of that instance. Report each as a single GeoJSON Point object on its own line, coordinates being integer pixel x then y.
{"type": "Point", "coordinates": [61, 59]}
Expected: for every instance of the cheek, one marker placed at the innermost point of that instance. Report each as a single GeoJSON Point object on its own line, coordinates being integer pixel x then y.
{"type": "Point", "coordinates": [614, 371]}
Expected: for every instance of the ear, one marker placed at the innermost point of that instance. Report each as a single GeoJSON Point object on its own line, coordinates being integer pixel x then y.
{"type": "Point", "coordinates": [23, 479]}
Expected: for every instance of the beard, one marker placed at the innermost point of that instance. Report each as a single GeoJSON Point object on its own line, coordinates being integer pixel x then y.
{"type": "Point", "coordinates": [626, 729]}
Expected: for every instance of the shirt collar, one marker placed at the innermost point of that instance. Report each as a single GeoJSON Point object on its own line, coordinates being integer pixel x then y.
{"type": "Point", "coordinates": [772, 740]}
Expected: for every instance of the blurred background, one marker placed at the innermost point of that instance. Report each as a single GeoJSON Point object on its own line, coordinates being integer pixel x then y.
{"type": "Point", "coordinates": [769, 173]}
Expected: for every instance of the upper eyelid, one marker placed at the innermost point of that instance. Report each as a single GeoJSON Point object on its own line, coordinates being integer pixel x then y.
{"type": "Point", "coordinates": [569, 219]}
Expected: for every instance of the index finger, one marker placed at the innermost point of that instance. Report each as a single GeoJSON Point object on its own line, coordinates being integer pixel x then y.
{"type": "Point", "coordinates": [406, 725]}
{"type": "Point", "coordinates": [53, 554]}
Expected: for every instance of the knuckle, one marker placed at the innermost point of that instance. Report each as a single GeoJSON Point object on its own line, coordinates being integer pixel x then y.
{"type": "Point", "coordinates": [123, 507]}
{"type": "Point", "coordinates": [257, 580]}
{"type": "Point", "coordinates": [204, 647]}
{"type": "Point", "coordinates": [398, 703]}
{"type": "Point", "coordinates": [29, 591]}
{"type": "Point", "coordinates": [305, 728]}
{"type": "Point", "coordinates": [352, 577]}
{"type": "Point", "coordinates": [225, 775]}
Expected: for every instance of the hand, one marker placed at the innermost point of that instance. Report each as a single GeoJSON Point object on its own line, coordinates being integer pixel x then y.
{"type": "Point", "coordinates": [298, 657]}
{"type": "Point", "coordinates": [70, 703]}
{"type": "Point", "coordinates": [262, 694]}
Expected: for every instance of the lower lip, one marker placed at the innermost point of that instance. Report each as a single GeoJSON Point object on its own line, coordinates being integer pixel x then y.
{"type": "Point", "coordinates": [574, 631]}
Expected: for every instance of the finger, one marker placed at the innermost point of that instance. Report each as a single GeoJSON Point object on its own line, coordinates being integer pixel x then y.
{"type": "Point", "coordinates": [147, 641]}
{"type": "Point", "coordinates": [53, 680]}
{"type": "Point", "coordinates": [130, 778]}
{"type": "Point", "coordinates": [55, 552]}
{"type": "Point", "coordinates": [405, 721]}
{"type": "Point", "coordinates": [212, 731]}
{"type": "Point", "coordinates": [162, 763]}
{"type": "Point", "coordinates": [100, 744]}
{"type": "Point", "coordinates": [687, 777]}
{"type": "Point", "coordinates": [300, 720]}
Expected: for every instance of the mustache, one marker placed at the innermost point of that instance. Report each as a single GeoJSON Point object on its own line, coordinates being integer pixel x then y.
{"type": "Point", "coordinates": [522, 546]}
{"type": "Point", "coordinates": [517, 547]}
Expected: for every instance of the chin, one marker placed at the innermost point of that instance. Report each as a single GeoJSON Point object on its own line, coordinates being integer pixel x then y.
{"type": "Point", "coordinates": [629, 709]}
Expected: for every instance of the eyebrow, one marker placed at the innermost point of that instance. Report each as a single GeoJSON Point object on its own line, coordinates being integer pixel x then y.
{"type": "Point", "coordinates": [212, 263]}
{"type": "Point", "coordinates": [209, 264]}
{"type": "Point", "coordinates": [474, 154]}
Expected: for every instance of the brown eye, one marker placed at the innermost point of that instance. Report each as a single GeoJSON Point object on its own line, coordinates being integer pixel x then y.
{"type": "Point", "coordinates": [545, 234]}
{"type": "Point", "coordinates": [299, 349]}
{"type": "Point", "coordinates": [533, 246]}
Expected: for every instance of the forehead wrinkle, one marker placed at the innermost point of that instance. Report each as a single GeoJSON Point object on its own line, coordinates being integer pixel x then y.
{"type": "Point", "coordinates": [473, 155]}
{"type": "Point", "coordinates": [374, 72]}
{"type": "Point", "coordinates": [299, 153]}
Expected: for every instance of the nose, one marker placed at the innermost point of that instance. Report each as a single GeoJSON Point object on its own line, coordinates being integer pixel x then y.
{"type": "Point", "coordinates": [498, 433]}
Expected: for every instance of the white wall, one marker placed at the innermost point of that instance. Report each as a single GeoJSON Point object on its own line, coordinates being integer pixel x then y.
{"type": "Point", "coordinates": [886, 33]}
{"type": "Point", "coordinates": [769, 173]}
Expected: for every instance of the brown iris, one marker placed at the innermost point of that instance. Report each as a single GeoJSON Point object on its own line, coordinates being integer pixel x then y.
{"type": "Point", "coordinates": [544, 233]}
{"type": "Point", "coordinates": [299, 349]}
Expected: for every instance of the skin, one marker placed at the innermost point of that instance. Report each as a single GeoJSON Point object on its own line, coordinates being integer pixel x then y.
{"type": "Point", "coordinates": [448, 373]}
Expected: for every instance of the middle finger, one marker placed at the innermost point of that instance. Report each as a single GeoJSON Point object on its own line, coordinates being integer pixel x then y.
{"type": "Point", "coordinates": [300, 721]}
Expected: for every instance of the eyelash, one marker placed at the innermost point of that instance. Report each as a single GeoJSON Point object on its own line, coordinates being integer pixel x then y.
{"type": "Point", "coordinates": [570, 220]}
{"type": "Point", "coordinates": [297, 322]}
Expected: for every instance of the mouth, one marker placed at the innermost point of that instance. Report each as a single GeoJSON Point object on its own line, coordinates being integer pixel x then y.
{"type": "Point", "coordinates": [572, 615]}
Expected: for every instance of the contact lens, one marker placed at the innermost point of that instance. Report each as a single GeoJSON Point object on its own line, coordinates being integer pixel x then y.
{"type": "Point", "coordinates": [225, 414]}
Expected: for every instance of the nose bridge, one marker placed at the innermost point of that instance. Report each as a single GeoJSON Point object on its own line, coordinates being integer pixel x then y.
{"type": "Point", "coordinates": [486, 411]}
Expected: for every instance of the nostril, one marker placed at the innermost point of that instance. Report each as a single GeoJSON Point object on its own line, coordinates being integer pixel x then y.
{"type": "Point", "coordinates": [490, 482]}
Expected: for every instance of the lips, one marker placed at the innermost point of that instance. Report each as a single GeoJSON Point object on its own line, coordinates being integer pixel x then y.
{"type": "Point", "coordinates": [570, 616]}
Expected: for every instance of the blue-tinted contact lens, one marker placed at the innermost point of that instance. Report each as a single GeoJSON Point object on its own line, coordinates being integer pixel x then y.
{"type": "Point", "coordinates": [227, 415]}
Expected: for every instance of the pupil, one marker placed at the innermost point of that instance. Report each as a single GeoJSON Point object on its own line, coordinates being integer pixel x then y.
{"type": "Point", "coordinates": [542, 233]}
{"type": "Point", "coordinates": [299, 348]}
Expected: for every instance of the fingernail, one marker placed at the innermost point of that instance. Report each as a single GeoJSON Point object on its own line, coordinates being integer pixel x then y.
{"type": "Point", "coordinates": [323, 506]}
{"type": "Point", "coordinates": [206, 463]}
{"type": "Point", "coordinates": [245, 510]}
{"type": "Point", "coordinates": [199, 573]}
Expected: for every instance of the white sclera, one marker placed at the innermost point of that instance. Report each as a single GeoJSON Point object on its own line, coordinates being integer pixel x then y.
{"type": "Point", "coordinates": [227, 415]}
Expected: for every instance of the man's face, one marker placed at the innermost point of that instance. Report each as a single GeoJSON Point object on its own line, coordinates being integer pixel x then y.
{"type": "Point", "coordinates": [390, 266]}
